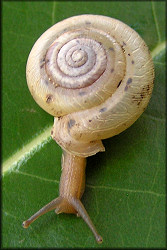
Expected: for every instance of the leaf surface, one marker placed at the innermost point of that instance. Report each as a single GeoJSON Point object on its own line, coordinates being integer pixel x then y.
{"type": "Point", "coordinates": [125, 186]}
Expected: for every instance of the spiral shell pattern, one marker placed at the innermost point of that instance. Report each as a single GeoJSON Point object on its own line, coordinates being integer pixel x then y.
{"type": "Point", "coordinates": [94, 74]}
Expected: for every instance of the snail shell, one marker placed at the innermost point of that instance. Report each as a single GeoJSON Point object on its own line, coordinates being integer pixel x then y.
{"type": "Point", "coordinates": [94, 74]}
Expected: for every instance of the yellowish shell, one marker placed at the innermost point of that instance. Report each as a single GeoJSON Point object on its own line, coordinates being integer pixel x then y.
{"type": "Point", "coordinates": [94, 74]}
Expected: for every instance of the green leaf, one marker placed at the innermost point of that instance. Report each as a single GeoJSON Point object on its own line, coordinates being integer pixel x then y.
{"type": "Point", "coordinates": [125, 186]}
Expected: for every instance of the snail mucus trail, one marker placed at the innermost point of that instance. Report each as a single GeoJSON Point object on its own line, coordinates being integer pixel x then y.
{"type": "Point", "coordinates": [94, 74]}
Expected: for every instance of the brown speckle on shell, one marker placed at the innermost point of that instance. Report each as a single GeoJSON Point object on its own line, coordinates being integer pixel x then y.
{"type": "Point", "coordinates": [129, 81]}
{"type": "Point", "coordinates": [82, 93]}
{"type": "Point", "coordinates": [103, 110]}
{"type": "Point", "coordinates": [126, 88]}
{"type": "Point", "coordinates": [148, 88]}
{"type": "Point", "coordinates": [137, 99]}
{"type": "Point", "coordinates": [70, 124]}
{"type": "Point", "coordinates": [49, 98]}
{"type": "Point", "coordinates": [42, 65]}
{"type": "Point", "coordinates": [46, 82]}
{"type": "Point", "coordinates": [65, 29]}
{"type": "Point", "coordinates": [123, 49]}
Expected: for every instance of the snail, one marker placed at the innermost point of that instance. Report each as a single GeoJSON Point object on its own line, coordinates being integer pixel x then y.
{"type": "Point", "coordinates": [95, 75]}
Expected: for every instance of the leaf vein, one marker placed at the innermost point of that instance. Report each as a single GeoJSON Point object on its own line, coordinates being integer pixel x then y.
{"type": "Point", "coordinates": [150, 223]}
{"type": "Point", "coordinates": [34, 176]}
{"type": "Point", "coordinates": [126, 190]}
{"type": "Point", "coordinates": [53, 12]}
{"type": "Point", "coordinates": [154, 118]}
{"type": "Point", "coordinates": [11, 215]}
{"type": "Point", "coordinates": [156, 21]}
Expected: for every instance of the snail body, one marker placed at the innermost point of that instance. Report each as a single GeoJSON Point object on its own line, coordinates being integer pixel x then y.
{"type": "Point", "coordinates": [94, 74]}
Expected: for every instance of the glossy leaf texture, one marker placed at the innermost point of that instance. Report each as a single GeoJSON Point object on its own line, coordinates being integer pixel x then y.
{"type": "Point", "coordinates": [125, 185]}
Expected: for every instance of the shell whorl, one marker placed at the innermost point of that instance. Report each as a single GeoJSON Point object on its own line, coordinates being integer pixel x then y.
{"type": "Point", "coordinates": [94, 74]}
{"type": "Point", "coordinates": [76, 64]}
